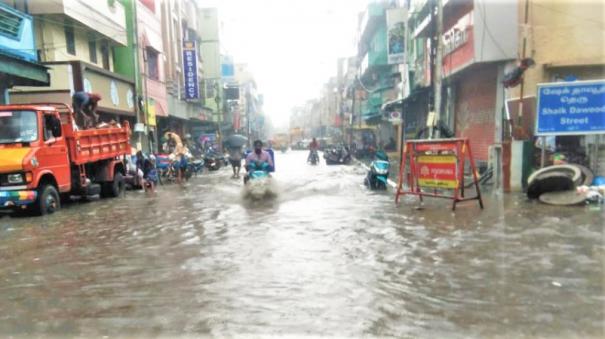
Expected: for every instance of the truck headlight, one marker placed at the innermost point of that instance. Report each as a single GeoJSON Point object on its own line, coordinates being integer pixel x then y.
{"type": "Point", "coordinates": [16, 178]}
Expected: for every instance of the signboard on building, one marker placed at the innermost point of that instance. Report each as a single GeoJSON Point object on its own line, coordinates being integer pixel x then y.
{"type": "Point", "coordinates": [227, 67]}
{"type": "Point", "coordinates": [151, 119]}
{"type": "Point", "coordinates": [571, 108]}
{"type": "Point", "coordinates": [190, 70]}
{"type": "Point", "coordinates": [396, 19]}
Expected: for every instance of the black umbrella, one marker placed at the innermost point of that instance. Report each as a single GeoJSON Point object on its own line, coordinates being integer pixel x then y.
{"type": "Point", "coordinates": [236, 140]}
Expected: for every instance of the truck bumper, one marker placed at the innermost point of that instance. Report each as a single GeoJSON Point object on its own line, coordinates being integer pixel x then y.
{"type": "Point", "coordinates": [17, 198]}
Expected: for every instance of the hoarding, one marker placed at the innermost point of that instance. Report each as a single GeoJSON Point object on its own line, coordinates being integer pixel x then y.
{"type": "Point", "coordinates": [192, 91]}
{"type": "Point", "coordinates": [571, 108]}
{"type": "Point", "coordinates": [396, 18]}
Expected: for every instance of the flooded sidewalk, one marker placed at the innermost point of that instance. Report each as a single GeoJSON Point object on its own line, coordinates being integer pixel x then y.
{"type": "Point", "coordinates": [326, 257]}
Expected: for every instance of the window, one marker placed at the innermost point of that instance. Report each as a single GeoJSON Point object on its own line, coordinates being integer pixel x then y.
{"type": "Point", "coordinates": [70, 40]}
{"type": "Point", "coordinates": [153, 71]}
{"type": "Point", "coordinates": [92, 50]}
{"type": "Point", "coordinates": [52, 127]}
{"type": "Point", "coordinates": [105, 55]}
{"type": "Point", "coordinates": [18, 126]}
{"type": "Point", "coordinates": [10, 24]}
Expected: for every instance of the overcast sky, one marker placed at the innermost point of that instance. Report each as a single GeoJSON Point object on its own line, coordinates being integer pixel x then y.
{"type": "Point", "coordinates": [291, 46]}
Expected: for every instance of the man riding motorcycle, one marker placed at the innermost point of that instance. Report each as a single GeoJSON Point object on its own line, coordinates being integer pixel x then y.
{"type": "Point", "coordinates": [257, 158]}
{"type": "Point", "coordinates": [313, 148]}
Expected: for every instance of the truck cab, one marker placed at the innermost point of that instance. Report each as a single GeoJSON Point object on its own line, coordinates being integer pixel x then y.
{"type": "Point", "coordinates": [43, 156]}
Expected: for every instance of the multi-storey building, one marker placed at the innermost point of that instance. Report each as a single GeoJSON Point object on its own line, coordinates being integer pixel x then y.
{"type": "Point", "coordinates": [183, 67]}
{"type": "Point", "coordinates": [377, 76]}
{"type": "Point", "coordinates": [18, 57]}
{"type": "Point", "coordinates": [75, 40]}
{"type": "Point", "coordinates": [477, 44]}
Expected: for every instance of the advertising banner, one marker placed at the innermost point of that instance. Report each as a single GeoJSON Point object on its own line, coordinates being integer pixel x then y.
{"type": "Point", "coordinates": [192, 91]}
{"type": "Point", "coordinates": [438, 171]}
{"type": "Point", "coordinates": [151, 120]}
{"type": "Point", "coordinates": [396, 18]}
{"type": "Point", "coordinates": [227, 68]}
{"type": "Point", "coordinates": [571, 108]}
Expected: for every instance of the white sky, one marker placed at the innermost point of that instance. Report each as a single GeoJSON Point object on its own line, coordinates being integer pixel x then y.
{"type": "Point", "coordinates": [291, 46]}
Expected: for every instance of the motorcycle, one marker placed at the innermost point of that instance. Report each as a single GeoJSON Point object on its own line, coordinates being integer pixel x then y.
{"type": "Point", "coordinates": [164, 168]}
{"type": "Point", "coordinates": [313, 158]}
{"type": "Point", "coordinates": [339, 155]}
{"type": "Point", "coordinates": [167, 167]}
{"type": "Point", "coordinates": [378, 174]}
{"type": "Point", "coordinates": [213, 160]}
{"type": "Point", "coordinates": [195, 167]}
{"type": "Point", "coordinates": [257, 181]}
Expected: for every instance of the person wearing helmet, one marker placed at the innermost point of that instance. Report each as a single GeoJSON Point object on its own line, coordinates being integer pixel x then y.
{"type": "Point", "coordinates": [85, 108]}
{"type": "Point", "coordinates": [258, 156]}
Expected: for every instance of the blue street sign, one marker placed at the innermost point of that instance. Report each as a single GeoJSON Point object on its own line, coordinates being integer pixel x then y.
{"type": "Point", "coordinates": [190, 70]}
{"type": "Point", "coordinates": [571, 108]}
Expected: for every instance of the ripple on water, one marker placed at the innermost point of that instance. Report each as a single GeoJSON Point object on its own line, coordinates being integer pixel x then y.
{"type": "Point", "coordinates": [325, 257]}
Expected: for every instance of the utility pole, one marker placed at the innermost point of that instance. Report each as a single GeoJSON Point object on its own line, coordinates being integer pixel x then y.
{"type": "Point", "coordinates": [438, 69]}
{"type": "Point", "coordinates": [141, 116]}
{"type": "Point", "coordinates": [248, 113]}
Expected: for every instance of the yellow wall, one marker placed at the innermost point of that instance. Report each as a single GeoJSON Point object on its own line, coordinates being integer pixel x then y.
{"type": "Point", "coordinates": [50, 37]}
{"type": "Point", "coordinates": [562, 33]}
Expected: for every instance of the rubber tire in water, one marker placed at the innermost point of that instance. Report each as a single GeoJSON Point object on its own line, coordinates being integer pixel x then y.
{"type": "Point", "coordinates": [48, 201]}
{"type": "Point", "coordinates": [117, 187]}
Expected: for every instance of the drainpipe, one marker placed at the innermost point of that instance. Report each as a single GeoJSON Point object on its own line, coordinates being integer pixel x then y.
{"type": "Point", "coordinates": [438, 67]}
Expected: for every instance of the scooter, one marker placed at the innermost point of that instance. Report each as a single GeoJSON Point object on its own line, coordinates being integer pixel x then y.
{"type": "Point", "coordinates": [213, 160]}
{"type": "Point", "coordinates": [196, 166]}
{"type": "Point", "coordinates": [378, 174]}
{"type": "Point", "coordinates": [337, 156]}
{"type": "Point", "coordinates": [257, 181]}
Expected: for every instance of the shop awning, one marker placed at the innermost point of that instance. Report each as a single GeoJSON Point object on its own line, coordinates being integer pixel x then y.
{"type": "Point", "coordinates": [23, 73]}
{"type": "Point", "coordinates": [393, 104]}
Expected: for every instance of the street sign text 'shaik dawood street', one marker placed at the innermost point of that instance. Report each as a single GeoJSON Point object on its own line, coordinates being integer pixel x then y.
{"type": "Point", "coordinates": [571, 108]}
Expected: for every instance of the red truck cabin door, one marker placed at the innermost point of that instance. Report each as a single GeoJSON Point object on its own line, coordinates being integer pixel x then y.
{"type": "Point", "coordinates": [53, 154]}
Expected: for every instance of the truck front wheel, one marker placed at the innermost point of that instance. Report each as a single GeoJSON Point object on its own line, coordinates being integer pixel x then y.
{"type": "Point", "coordinates": [115, 188]}
{"type": "Point", "coordinates": [48, 200]}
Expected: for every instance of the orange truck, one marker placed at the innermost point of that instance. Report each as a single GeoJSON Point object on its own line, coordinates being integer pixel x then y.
{"type": "Point", "coordinates": [44, 158]}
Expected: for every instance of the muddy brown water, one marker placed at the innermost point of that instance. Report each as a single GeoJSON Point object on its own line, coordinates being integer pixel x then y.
{"type": "Point", "coordinates": [324, 258]}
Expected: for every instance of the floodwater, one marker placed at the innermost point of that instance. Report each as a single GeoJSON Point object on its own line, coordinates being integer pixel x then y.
{"type": "Point", "coordinates": [324, 258]}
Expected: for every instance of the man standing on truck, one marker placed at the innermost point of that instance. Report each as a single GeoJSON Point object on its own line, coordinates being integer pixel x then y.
{"type": "Point", "coordinates": [85, 107]}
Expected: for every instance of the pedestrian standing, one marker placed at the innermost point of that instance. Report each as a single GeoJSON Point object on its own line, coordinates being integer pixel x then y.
{"type": "Point", "coordinates": [235, 158]}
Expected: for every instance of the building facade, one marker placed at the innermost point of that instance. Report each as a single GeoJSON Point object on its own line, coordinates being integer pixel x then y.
{"type": "Point", "coordinates": [76, 41]}
{"type": "Point", "coordinates": [18, 55]}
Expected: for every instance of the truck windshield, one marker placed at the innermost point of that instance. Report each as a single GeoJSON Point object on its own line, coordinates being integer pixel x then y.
{"type": "Point", "coordinates": [18, 126]}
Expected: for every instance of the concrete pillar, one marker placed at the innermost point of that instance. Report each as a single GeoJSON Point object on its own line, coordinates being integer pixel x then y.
{"type": "Point", "coordinates": [498, 163]}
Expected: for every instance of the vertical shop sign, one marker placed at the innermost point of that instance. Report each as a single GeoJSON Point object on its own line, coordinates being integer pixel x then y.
{"type": "Point", "coordinates": [190, 70]}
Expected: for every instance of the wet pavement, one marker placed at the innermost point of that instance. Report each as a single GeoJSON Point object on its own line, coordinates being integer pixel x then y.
{"type": "Point", "coordinates": [324, 258]}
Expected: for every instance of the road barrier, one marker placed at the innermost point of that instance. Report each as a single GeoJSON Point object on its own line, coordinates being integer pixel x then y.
{"type": "Point", "coordinates": [437, 165]}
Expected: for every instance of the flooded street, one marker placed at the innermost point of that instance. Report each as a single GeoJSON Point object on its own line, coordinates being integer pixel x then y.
{"type": "Point", "coordinates": [325, 258]}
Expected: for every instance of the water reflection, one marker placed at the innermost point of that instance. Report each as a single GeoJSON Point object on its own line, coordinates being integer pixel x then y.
{"type": "Point", "coordinates": [326, 257]}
